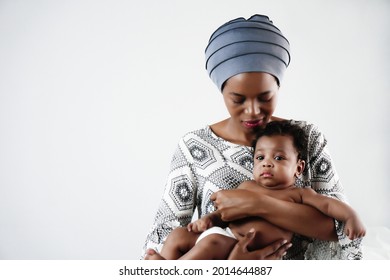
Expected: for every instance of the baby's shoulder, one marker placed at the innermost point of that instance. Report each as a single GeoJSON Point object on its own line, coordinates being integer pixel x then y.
{"type": "Point", "coordinates": [249, 185]}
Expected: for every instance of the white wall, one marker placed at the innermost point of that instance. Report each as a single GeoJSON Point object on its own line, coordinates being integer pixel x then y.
{"type": "Point", "coordinates": [94, 96]}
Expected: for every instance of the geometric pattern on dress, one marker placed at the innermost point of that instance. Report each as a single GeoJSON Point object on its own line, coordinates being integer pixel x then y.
{"type": "Point", "coordinates": [181, 192]}
{"type": "Point", "coordinates": [349, 249]}
{"type": "Point", "coordinates": [336, 191]}
{"type": "Point", "coordinates": [167, 221]}
{"type": "Point", "coordinates": [200, 181]}
{"type": "Point", "coordinates": [202, 155]}
{"type": "Point", "coordinates": [297, 252]}
{"type": "Point", "coordinates": [348, 246]}
{"type": "Point", "coordinates": [161, 233]}
{"type": "Point", "coordinates": [227, 177]}
{"type": "Point", "coordinates": [213, 140]}
{"type": "Point", "coordinates": [244, 159]}
{"type": "Point", "coordinates": [322, 170]}
{"type": "Point", "coordinates": [209, 206]}
{"type": "Point", "coordinates": [317, 143]}
{"type": "Point", "coordinates": [164, 213]}
{"type": "Point", "coordinates": [178, 159]}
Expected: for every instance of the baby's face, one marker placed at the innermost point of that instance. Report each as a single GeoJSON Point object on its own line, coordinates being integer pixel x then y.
{"type": "Point", "coordinates": [276, 162]}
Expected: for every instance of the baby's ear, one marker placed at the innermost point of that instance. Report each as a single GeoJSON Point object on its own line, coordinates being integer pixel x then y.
{"type": "Point", "coordinates": [300, 167]}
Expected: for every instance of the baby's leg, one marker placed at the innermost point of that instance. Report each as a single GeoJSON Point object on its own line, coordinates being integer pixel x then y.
{"type": "Point", "coordinates": [153, 255]}
{"type": "Point", "coordinates": [178, 242]}
{"type": "Point", "coordinates": [212, 247]}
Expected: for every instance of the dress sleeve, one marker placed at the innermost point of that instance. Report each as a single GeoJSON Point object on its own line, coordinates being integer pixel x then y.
{"type": "Point", "coordinates": [321, 175]}
{"type": "Point", "coordinates": [179, 199]}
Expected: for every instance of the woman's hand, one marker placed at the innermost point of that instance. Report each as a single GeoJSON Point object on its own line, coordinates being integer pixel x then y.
{"type": "Point", "coordinates": [295, 217]}
{"type": "Point", "coordinates": [274, 251]}
{"type": "Point", "coordinates": [236, 204]}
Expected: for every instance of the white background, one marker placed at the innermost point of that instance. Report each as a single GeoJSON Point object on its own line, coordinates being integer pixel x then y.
{"type": "Point", "coordinates": [94, 96]}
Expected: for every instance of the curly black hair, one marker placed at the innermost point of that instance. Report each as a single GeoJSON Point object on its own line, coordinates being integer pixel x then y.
{"type": "Point", "coordinates": [286, 128]}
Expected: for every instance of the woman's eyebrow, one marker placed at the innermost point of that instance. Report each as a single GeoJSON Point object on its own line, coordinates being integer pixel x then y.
{"type": "Point", "coordinates": [242, 95]}
{"type": "Point", "coordinates": [235, 94]}
{"type": "Point", "coordinates": [265, 92]}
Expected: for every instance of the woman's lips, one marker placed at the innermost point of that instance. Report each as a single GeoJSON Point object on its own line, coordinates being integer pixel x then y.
{"type": "Point", "coordinates": [252, 123]}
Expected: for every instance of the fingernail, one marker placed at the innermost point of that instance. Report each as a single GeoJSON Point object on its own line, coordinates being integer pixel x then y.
{"type": "Point", "coordinates": [250, 232]}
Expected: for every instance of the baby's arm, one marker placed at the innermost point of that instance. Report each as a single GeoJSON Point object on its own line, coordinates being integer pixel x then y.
{"type": "Point", "coordinates": [214, 219]}
{"type": "Point", "coordinates": [207, 221]}
{"type": "Point", "coordinates": [337, 209]}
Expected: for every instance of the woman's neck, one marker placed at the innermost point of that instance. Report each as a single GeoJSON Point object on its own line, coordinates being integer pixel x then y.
{"type": "Point", "coordinates": [228, 131]}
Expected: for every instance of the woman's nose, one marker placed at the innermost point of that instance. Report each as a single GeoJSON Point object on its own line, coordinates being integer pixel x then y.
{"type": "Point", "coordinates": [252, 108]}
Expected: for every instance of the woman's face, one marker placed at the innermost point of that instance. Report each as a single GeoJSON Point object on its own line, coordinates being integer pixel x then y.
{"type": "Point", "coordinates": [251, 99]}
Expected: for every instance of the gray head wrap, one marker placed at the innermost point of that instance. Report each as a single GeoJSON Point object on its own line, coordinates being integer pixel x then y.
{"type": "Point", "coordinates": [252, 45]}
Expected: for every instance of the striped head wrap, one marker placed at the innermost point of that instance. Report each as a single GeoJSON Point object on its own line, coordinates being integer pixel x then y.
{"type": "Point", "coordinates": [252, 45]}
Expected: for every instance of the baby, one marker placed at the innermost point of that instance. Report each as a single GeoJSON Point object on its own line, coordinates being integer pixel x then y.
{"type": "Point", "coordinates": [278, 160]}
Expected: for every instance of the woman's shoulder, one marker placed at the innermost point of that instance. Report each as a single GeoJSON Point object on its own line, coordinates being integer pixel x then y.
{"type": "Point", "coordinates": [204, 132]}
{"type": "Point", "coordinates": [307, 126]}
{"type": "Point", "coordinates": [206, 137]}
{"type": "Point", "coordinates": [315, 136]}
{"type": "Point", "coordinates": [310, 128]}
{"type": "Point", "coordinates": [304, 124]}
{"type": "Point", "coordinates": [202, 135]}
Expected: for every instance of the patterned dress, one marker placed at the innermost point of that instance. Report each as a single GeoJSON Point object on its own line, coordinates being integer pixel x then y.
{"type": "Point", "coordinates": [205, 163]}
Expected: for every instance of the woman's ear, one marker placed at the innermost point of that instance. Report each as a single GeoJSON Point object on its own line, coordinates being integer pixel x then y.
{"type": "Point", "coordinates": [300, 167]}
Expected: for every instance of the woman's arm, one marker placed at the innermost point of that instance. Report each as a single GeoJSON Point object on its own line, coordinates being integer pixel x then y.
{"type": "Point", "coordinates": [166, 218]}
{"type": "Point", "coordinates": [298, 218]}
{"type": "Point", "coordinates": [336, 209]}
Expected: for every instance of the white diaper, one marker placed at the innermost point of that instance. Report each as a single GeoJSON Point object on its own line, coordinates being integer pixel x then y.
{"type": "Point", "coordinates": [216, 230]}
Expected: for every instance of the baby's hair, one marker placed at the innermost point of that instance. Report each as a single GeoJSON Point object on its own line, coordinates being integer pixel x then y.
{"type": "Point", "coordinates": [286, 128]}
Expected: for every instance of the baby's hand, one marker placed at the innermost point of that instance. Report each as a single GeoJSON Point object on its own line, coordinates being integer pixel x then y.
{"type": "Point", "coordinates": [354, 228]}
{"type": "Point", "coordinates": [200, 225]}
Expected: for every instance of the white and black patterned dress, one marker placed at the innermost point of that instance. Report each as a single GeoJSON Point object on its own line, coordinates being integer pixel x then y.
{"type": "Point", "coordinates": [205, 163]}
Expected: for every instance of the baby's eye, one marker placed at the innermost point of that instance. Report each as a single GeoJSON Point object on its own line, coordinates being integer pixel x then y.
{"type": "Point", "coordinates": [259, 157]}
{"type": "Point", "coordinates": [278, 158]}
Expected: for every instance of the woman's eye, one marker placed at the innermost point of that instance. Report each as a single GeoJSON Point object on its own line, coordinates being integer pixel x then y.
{"type": "Point", "coordinates": [238, 101]}
{"type": "Point", "coordinates": [265, 97]}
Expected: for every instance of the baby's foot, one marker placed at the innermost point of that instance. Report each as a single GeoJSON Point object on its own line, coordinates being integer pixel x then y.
{"type": "Point", "coordinates": [153, 255]}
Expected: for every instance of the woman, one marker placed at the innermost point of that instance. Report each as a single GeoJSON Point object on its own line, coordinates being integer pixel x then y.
{"type": "Point", "coordinates": [246, 59]}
